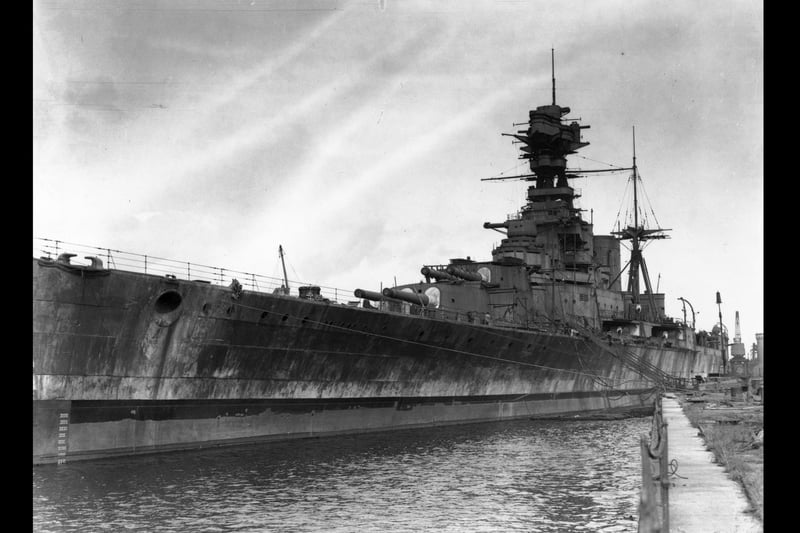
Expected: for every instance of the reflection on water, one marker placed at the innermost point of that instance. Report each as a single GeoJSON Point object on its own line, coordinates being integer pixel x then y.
{"type": "Point", "coordinates": [506, 476]}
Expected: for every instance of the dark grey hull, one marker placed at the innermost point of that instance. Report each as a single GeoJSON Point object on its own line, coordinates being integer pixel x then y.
{"type": "Point", "coordinates": [129, 363]}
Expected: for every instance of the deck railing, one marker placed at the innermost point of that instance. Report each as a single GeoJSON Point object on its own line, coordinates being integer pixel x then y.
{"type": "Point", "coordinates": [114, 259]}
{"type": "Point", "coordinates": [159, 266]}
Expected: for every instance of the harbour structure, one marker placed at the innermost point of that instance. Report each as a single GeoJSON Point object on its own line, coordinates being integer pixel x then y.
{"type": "Point", "coordinates": [738, 362]}
{"type": "Point", "coordinates": [757, 356]}
{"type": "Point", "coordinates": [134, 354]}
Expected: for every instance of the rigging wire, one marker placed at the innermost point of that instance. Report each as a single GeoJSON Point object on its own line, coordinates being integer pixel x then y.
{"type": "Point", "coordinates": [649, 204]}
{"type": "Point", "coordinates": [643, 213]}
{"type": "Point", "coordinates": [624, 203]}
{"type": "Point", "coordinates": [418, 343]}
{"type": "Point", "coordinates": [515, 168]}
{"type": "Point", "coordinates": [296, 275]}
{"type": "Point", "coordinates": [596, 161]}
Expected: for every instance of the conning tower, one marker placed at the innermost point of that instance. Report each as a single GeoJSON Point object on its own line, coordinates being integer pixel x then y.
{"type": "Point", "coordinates": [548, 233]}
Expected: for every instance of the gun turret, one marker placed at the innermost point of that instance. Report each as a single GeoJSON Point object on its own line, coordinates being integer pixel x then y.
{"type": "Point", "coordinates": [438, 275]}
{"type": "Point", "coordinates": [463, 274]}
{"type": "Point", "coordinates": [410, 297]}
{"type": "Point", "coordinates": [368, 295]}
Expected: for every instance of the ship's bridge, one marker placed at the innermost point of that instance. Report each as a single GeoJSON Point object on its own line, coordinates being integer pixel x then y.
{"type": "Point", "coordinates": [564, 193]}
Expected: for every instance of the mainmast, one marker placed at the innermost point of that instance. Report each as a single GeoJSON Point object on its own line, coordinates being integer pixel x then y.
{"type": "Point", "coordinates": [635, 179]}
{"type": "Point", "coordinates": [637, 234]}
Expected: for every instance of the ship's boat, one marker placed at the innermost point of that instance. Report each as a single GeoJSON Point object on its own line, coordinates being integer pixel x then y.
{"type": "Point", "coordinates": [134, 354]}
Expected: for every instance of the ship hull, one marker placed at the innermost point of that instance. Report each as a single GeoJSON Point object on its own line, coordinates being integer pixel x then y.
{"type": "Point", "coordinates": [67, 431]}
{"type": "Point", "coordinates": [128, 363]}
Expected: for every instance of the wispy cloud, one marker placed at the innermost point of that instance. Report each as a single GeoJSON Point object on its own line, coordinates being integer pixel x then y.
{"type": "Point", "coordinates": [261, 131]}
{"type": "Point", "coordinates": [245, 80]}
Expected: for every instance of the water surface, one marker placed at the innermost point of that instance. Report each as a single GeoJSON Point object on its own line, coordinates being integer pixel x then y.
{"type": "Point", "coordinates": [548, 476]}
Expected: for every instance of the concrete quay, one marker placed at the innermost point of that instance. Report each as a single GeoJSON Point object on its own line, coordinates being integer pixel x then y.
{"type": "Point", "coordinates": [702, 497]}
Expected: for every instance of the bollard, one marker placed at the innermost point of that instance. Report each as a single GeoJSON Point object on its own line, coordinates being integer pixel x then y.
{"type": "Point", "coordinates": [648, 518]}
{"type": "Point", "coordinates": [664, 468]}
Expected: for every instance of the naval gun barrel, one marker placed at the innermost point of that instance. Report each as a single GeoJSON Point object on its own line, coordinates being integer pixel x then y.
{"type": "Point", "coordinates": [411, 297]}
{"type": "Point", "coordinates": [368, 295]}
{"type": "Point", "coordinates": [463, 274]}
{"type": "Point", "coordinates": [495, 225]}
{"type": "Point", "coordinates": [438, 275]}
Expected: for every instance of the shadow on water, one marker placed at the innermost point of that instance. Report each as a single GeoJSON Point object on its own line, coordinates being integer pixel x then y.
{"type": "Point", "coordinates": [501, 476]}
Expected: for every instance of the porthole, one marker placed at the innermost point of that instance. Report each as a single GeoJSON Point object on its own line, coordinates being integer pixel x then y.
{"type": "Point", "coordinates": [168, 302]}
{"type": "Point", "coordinates": [206, 309]}
{"type": "Point", "coordinates": [264, 315]}
{"type": "Point", "coordinates": [284, 318]}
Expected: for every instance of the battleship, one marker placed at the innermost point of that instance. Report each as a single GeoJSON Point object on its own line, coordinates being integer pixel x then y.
{"type": "Point", "coordinates": [135, 354]}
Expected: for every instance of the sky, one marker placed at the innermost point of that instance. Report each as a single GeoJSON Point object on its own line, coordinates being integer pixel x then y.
{"type": "Point", "coordinates": [355, 134]}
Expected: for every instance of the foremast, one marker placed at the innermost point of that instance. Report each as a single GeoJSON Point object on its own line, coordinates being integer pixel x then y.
{"type": "Point", "coordinates": [548, 235]}
{"type": "Point", "coordinates": [555, 244]}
